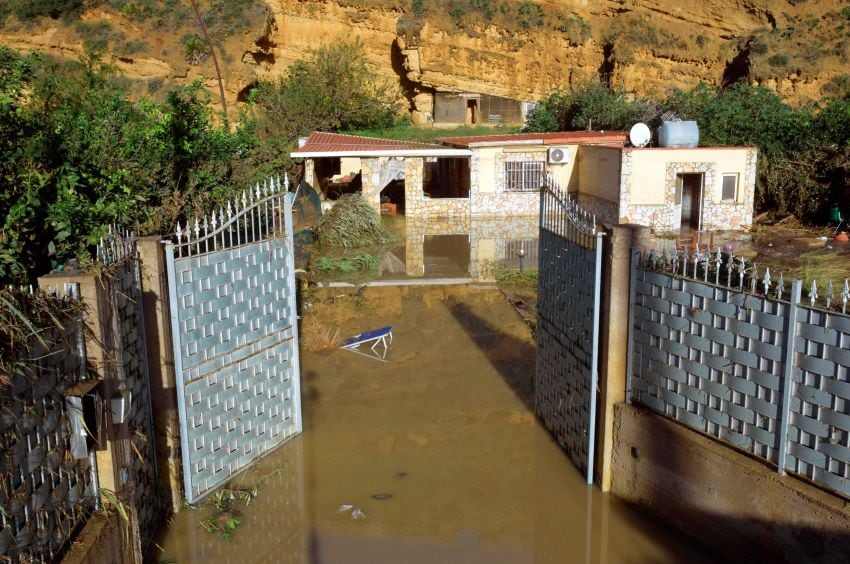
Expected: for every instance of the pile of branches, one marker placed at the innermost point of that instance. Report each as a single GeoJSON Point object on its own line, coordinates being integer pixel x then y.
{"type": "Point", "coordinates": [30, 324]}
{"type": "Point", "coordinates": [352, 222]}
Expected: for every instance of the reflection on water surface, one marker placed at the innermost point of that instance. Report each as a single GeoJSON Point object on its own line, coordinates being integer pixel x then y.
{"type": "Point", "coordinates": [437, 448]}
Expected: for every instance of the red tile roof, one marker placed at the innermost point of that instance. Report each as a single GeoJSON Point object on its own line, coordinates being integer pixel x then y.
{"type": "Point", "coordinates": [555, 138]}
{"type": "Point", "coordinates": [319, 142]}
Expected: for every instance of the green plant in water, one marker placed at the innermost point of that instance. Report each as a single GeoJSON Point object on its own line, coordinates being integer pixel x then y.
{"type": "Point", "coordinates": [360, 262]}
{"type": "Point", "coordinates": [226, 518]}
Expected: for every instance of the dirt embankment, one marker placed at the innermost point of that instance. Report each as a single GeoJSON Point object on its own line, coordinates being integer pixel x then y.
{"type": "Point", "coordinates": [800, 49]}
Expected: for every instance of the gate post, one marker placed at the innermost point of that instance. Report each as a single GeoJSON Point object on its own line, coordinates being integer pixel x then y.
{"type": "Point", "coordinates": [614, 336]}
{"type": "Point", "coordinates": [161, 367]}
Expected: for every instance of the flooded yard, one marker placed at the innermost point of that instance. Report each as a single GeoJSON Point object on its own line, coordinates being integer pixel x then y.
{"type": "Point", "coordinates": [433, 456]}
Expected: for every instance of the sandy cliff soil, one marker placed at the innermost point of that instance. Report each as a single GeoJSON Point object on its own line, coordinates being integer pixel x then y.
{"type": "Point", "coordinates": [800, 49]}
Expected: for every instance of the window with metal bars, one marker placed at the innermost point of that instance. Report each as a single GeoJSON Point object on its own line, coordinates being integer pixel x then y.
{"type": "Point", "coordinates": [523, 176]}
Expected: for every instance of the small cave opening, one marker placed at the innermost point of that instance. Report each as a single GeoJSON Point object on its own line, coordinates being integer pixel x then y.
{"type": "Point", "coordinates": [606, 69]}
{"type": "Point", "coordinates": [738, 68]}
{"type": "Point", "coordinates": [261, 57]}
{"type": "Point", "coordinates": [265, 42]}
{"type": "Point", "coordinates": [245, 93]}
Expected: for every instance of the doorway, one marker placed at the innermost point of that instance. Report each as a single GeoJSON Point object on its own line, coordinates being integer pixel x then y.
{"type": "Point", "coordinates": [689, 196]}
{"type": "Point", "coordinates": [472, 111]}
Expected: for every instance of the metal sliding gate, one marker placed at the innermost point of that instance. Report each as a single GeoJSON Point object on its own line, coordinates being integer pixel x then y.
{"type": "Point", "coordinates": [231, 281]}
{"type": "Point", "coordinates": [569, 280]}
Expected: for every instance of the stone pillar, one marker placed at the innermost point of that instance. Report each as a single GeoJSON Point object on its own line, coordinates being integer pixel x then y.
{"type": "Point", "coordinates": [161, 368]}
{"type": "Point", "coordinates": [370, 175]}
{"type": "Point", "coordinates": [613, 339]}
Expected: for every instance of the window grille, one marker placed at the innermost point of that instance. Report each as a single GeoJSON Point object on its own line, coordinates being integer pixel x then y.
{"type": "Point", "coordinates": [730, 188]}
{"type": "Point", "coordinates": [523, 176]}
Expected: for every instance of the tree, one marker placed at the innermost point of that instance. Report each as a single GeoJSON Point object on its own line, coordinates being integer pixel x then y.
{"type": "Point", "coordinates": [332, 90]}
{"type": "Point", "coordinates": [78, 156]}
{"type": "Point", "coordinates": [591, 106]}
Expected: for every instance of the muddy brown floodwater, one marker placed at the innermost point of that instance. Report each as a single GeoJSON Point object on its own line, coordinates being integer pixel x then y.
{"type": "Point", "coordinates": [436, 453]}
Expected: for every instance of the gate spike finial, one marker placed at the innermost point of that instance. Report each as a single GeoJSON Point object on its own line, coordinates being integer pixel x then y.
{"type": "Point", "coordinates": [813, 293]}
{"type": "Point", "coordinates": [766, 280]}
{"type": "Point", "coordinates": [845, 295]}
{"type": "Point", "coordinates": [742, 270]}
{"type": "Point", "coordinates": [244, 200]}
{"type": "Point", "coordinates": [258, 190]}
{"type": "Point", "coordinates": [179, 233]}
{"type": "Point", "coordinates": [829, 294]}
{"type": "Point", "coordinates": [285, 181]}
{"type": "Point", "coordinates": [197, 229]}
{"type": "Point", "coordinates": [754, 278]}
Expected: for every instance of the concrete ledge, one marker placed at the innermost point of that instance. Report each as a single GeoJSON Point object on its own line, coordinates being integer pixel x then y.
{"type": "Point", "coordinates": [102, 540]}
{"type": "Point", "coordinates": [737, 506]}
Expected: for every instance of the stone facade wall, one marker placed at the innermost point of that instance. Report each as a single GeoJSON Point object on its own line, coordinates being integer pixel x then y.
{"type": "Point", "coordinates": [310, 173]}
{"type": "Point", "coordinates": [417, 205]}
{"type": "Point", "coordinates": [666, 216]}
{"type": "Point", "coordinates": [501, 202]}
{"type": "Point", "coordinates": [732, 215]}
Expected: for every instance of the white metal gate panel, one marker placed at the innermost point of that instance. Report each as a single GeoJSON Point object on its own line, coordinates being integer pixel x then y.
{"type": "Point", "coordinates": [235, 337]}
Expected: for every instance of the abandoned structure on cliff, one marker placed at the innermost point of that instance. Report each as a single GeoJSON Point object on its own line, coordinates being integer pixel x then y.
{"type": "Point", "coordinates": [667, 188]}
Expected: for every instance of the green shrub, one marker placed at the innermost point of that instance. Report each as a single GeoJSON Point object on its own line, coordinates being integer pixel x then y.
{"type": "Point", "coordinates": [778, 60]}
{"type": "Point", "coordinates": [194, 46]}
{"type": "Point", "coordinates": [530, 15]}
{"type": "Point", "coordinates": [457, 11]}
{"type": "Point", "coordinates": [758, 47]}
{"type": "Point", "coordinates": [418, 7]}
{"type": "Point", "coordinates": [575, 29]}
{"type": "Point", "coordinates": [26, 9]}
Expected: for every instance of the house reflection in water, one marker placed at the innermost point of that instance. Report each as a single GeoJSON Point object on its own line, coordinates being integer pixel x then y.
{"type": "Point", "coordinates": [462, 247]}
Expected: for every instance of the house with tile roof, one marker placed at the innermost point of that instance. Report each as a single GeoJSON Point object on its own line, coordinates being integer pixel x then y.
{"type": "Point", "coordinates": [668, 188]}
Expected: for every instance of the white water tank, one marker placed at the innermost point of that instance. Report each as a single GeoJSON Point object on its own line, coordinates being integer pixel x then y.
{"type": "Point", "coordinates": [678, 134]}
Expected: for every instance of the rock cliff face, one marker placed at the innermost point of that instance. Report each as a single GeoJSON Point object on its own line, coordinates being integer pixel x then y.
{"type": "Point", "coordinates": [800, 49]}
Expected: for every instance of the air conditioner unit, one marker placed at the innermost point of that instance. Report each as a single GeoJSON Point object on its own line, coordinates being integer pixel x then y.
{"type": "Point", "coordinates": [559, 155]}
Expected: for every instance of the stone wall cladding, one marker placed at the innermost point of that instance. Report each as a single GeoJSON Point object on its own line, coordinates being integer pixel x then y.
{"type": "Point", "coordinates": [715, 215]}
{"type": "Point", "coordinates": [502, 202]}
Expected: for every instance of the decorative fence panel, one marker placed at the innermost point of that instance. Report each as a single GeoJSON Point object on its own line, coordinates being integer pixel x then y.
{"type": "Point", "coordinates": [234, 324]}
{"type": "Point", "coordinates": [122, 327]}
{"type": "Point", "coordinates": [48, 484]}
{"type": "Point", "coordinates": [737, 356]}
{"type": "Point", "coordinates": [820, 407]}
{"type": "Point", "coordinates": [569, 280]}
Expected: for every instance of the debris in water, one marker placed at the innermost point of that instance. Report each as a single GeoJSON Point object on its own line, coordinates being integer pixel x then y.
{"type": "Point", "coordinates": [382, 496]}
{"type": "Point", "coordinates": [378, 337]}
{"type": "Point", "coordinates": [345, 507]}
{"type": "Point", "coordinates": [358, 514]}
{"type": "Point", "coordinates": [401, 475]}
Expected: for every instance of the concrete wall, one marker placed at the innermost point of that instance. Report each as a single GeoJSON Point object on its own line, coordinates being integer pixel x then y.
{"type": "Point", "coordinates": [599, 172]}
{"type": "Point", "coordinates": [699, 486]}
{"type": "Point", "coordinates": [104, 540]}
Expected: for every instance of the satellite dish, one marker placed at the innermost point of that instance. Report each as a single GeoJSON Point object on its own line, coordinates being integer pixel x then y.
{"type": "Point", "coordinates": [639, 135]}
